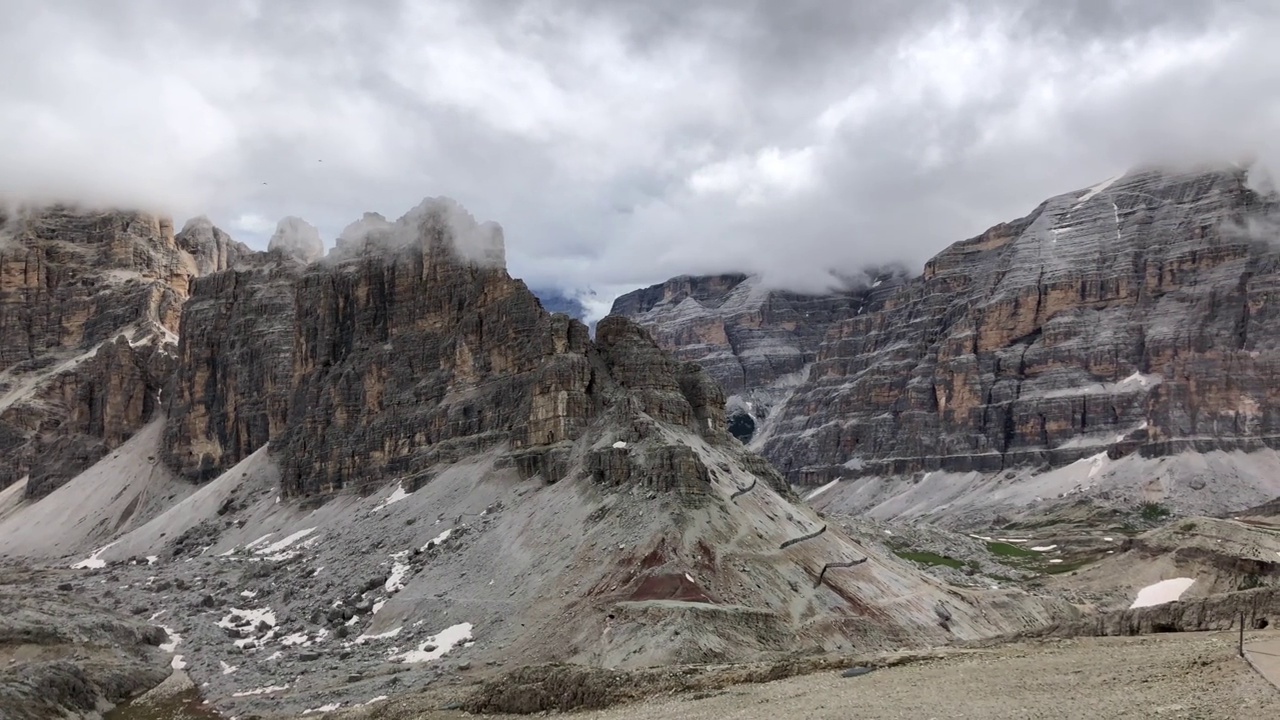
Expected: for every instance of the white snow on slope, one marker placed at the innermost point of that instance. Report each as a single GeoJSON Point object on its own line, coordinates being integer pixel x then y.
{"type": "Point", "coordinates": [396, 496]}
{"type": "Point", "coordinates": [323, 708]}
{"type": "Point", "coordinates": [395, 581]}
{"type": "Point", "coordinates": [1095, 191]}
{"type": "Point", "coordinates": [437, 539]}
{"type": "Point", "coordinates": [1165, 591]}
{"type": "Point", "coordinates": [261, 691]}
{"type": "Point", "coordinates": [822, 489]}
{"type": "Point", "coordinates": [380, 636]}
{"type": "Point", "coordinates": [277, 547]}
{"type": "Point", "coordinates": [94, 561]}
{"type": "Point", "coordinates": [444, 641]}
{"type": "Point", "coordinates": [253, 617]}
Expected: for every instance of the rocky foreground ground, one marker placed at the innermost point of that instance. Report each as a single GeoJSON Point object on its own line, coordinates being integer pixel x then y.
{"type": "Point", "coordinates": [1195, 675]}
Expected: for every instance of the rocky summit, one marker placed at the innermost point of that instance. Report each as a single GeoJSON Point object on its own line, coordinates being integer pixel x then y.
{"type": "Point", "coordinates": [1110, 328]}
{"type": "Point", "coordinates": [90, 305]}
{"type": "Point", "coordinates": [756, 341]}
{"type": "Point", "coordinates": [365, 473]}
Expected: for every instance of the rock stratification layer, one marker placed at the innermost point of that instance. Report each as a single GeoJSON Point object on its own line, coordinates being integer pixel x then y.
{"type": "Point", "coordinates": [417, 347]}
{"type": "Point", "coordinates": [1132, 316]}
{"type": "Point", "coordinates": [89, 307]}
{"type": "Point", "coordinates": [755, 341]}
{"type": "Point", "coordinates": [234, 370]}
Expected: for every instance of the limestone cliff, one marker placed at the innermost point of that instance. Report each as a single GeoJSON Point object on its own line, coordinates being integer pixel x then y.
{"type": "Point", "coordinates": [230, 389]}
{"type": "Point", "coordinates": [414, 346]}
{"type": "Point", "coordinates": [1135, 315]}
{"type": "Point", "coordinates": [755, 341]}
{"type": "Point", "coordinates": [89, 306]}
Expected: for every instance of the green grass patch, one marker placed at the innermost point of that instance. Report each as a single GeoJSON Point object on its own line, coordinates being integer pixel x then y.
{"type": "Point", "coordinates": [928, 558]}
{"type": "Point", "coordinates": [1010, 550]}
{"type": "Point", "coordinates": [1153, 512]}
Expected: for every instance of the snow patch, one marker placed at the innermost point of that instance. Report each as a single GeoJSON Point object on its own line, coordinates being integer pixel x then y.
{"type": "Point", "coordinates": [251, 617]}
{"type": "Point", "coordinates": [1094, 191]}
{"type": "Point", "coordinates": [396, 496]}
{"type": "Point", "coordinates": [1044, 548]}
{"type": "Point", "coordinates": [276, 550]}
{"type": "Point", "coordinates": [227, 669]}
{"type": "Point", "coordinates": [437, 540]}
{"type": "Point", "coordinates": [259, 541]}
{"type": "Point", "coordinates": [323, 708]}
{"type": "Point", "coordinates": [174, 638]}
{"type": "Point", "coordinates": [1165, 591]}
{"type": "Point", "coordinates": [821, 490]}
{"type": "Point", "coordinates": [261, 691]}
{"type": "Point", "coordinates": [94, 561]}
{"type": "Point", "coordinates": [152, 559]}
{"type": "Point", "coordinates": [371, 701]}
{"type": "Point", "coordinates": [621, 445]}
{"type": "Point", "coordinates": [380, 636]}
{"type": "Point", "coordinates": [395, 581]}
{"type": "Point", "coordinates": [444, 641]}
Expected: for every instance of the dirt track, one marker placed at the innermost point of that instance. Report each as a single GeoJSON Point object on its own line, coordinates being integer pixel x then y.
{"type": "Point", "coordinates": [1163, 676]}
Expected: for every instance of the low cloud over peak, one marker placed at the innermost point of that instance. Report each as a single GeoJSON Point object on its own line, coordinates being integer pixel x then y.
{"type": "Point", "coordinates": [623, 142]}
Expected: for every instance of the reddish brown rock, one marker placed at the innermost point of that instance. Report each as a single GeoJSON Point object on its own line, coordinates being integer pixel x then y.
{"type": "Point", "coordinates": [230, 393]}
{"type": "Point", "coordinates": [89, 306]}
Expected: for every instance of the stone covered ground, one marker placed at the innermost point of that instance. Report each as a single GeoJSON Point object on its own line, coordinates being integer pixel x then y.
{"type": "Point", "coordinates": [1193, 675]}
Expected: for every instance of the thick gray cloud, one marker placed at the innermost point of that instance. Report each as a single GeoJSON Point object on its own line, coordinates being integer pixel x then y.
{"type": "Point", "coordinates": [619, 143]}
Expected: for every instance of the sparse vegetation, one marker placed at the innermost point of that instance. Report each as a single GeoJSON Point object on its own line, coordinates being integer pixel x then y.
{"type": "Point", "coordinates": [928, 558]}
{"type": "Point", "coordinates": [1249, 582]}
{"type": "Point", "coordinates": [1153, 512]}
{"type": "Point", "coordinates": [1010, 550]}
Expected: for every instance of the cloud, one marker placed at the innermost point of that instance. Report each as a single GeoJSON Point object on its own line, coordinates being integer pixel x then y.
{"type": "Point", "coordinates": [621, 142]}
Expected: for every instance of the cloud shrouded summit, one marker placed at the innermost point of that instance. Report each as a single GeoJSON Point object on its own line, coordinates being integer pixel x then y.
{"type": "Point", "coordinates": [619, 143]}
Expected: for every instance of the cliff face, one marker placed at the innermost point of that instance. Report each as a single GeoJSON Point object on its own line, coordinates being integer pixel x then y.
{"type": "Point", "coordinates": [1132, 316]}
{"type": "Point", "coordinates": [756, 342]}
{"type": "Point", "coordinates": [89, 307]}
{"type": "Point", "coordinates": [412, 348]}
{"type": "Point", "coordinates": [230, 390]}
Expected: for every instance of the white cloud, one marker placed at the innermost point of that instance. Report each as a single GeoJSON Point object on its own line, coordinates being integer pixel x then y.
{"type": "Point", "coordinates": [620, 143]}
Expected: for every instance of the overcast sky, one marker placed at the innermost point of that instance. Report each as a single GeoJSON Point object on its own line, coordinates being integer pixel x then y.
{"type": "Point", "coordinates": [620, 142]}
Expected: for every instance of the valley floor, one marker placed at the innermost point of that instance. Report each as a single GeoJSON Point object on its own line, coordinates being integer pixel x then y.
{"type": "Point", "coordinates": [1193, 675]}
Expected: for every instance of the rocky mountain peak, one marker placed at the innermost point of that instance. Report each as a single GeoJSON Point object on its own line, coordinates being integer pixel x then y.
{"type": "Point", "coordinates": [754, 340]}
{"type": "Point", "coordinates": [90, 307]}
{"type": "Point", "coordinates": [1102, 325]}
{"type": "Point", "coordinates": [213, 249]}
{"type": "Point", "coordinates": [438, 225]}
{"type": "Point", "coordinates": [297, 238]}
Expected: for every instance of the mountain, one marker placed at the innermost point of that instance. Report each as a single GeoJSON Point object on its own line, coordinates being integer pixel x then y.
{"type": "Point", "coordinates": [399, 455]}
{"type": "Point", "coordinates": [557, 301]}
{"type": "Point", "coordinates": [755, 341]}
{"type": "Point", "coordinates": [1115, 345]}
{"type": "Point", "coordinates": [90, 303]}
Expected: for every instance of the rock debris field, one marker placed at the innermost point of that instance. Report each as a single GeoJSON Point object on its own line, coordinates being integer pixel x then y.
{"type": "Point", "coordinates": [1195, 675]}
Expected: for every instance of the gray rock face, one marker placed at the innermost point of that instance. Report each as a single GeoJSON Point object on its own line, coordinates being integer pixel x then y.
{"type": "Point", "coordinates": [1133, 316]}
{"type": "Point", "coordinates": [413, 352]}
{"type": "Point", "coordinates": [213, 249]}
{"type": "Point", "coordinates": [297, 238]}
{"type": "Point", "coordinates": [755, 341]}
{"type": "Point", "coordinates": [89, 307]}
{"type": "Point", "coordinates": [230, 391]}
